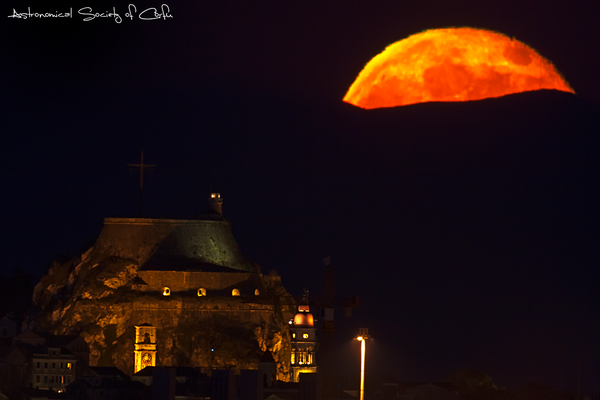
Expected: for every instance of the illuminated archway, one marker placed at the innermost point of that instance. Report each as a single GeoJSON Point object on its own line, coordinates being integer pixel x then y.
{"type": "Point", "coordinates": [235, 292]}
{"type": "Point", "coordinates": [201, 292]}
{"type": "Point", "coordinates": [256, 292]}
{"type": "Point", "coordinates": [166, 291]}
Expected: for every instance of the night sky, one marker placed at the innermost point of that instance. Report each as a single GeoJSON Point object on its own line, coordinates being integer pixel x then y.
{"type": "Point", "coordinates": [469, 231]}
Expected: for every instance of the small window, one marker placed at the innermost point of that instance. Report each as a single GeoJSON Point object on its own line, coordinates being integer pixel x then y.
{"type": "Point", "coordinates": [293, 336]}
{"type": "Point", "coordinates": [305, 335]}
{"type": "Point", "coordinates": [235, 292]}
{"type": "Point", "coordinates": [166, 291]}
{"type": "Point", "coordinates": [45, 365]}
{"type": "Point", "coordinates": [38, 365]}
{"type": "Point", "coordinates": [69, 365]}
{"type": "Point", "coordinates": [201, 292]}
{"type": "Point", "coordinates": [45, 378]}
{"type": "Point", "coordinates": [37, 379]}
{"type": "Point", "coordinates": [256, 292]}
{"type": "Point", "coordinates": [53, 365]}
{"type": "Point", "coordinates": [62, 365]}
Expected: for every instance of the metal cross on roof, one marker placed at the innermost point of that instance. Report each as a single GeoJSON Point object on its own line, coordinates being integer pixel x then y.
{"type": "Point", "coordinates": [142, 166]}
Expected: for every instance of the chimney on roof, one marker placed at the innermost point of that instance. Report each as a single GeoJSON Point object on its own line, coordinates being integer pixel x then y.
{"type": "Point", "coordinates": [216, 202]}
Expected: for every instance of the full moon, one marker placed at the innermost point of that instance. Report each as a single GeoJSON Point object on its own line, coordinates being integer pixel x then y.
{"type": "Point", "coordinates": [453, 64]}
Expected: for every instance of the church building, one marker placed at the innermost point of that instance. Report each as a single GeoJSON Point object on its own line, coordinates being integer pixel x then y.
{"type": "Point", "coordinates": [170, 292]}
{"type": "Point", "coordinates": [304, 342]}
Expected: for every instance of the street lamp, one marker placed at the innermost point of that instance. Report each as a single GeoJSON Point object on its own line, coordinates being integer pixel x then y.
{"type": "Point", "coordinates": [363, 335]}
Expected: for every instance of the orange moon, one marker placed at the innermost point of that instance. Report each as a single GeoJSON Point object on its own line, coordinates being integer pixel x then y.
{"type": "Point", "coordinates": [453, 64]}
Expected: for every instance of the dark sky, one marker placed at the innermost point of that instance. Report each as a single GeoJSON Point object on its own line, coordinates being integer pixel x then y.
{"type": "Point", "coordinates": [469, 231]}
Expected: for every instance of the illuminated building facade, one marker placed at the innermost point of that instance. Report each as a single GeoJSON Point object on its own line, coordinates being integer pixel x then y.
{"type": "Point", "coordinates": [304, 342]}
{"type": "Point", "coordinates": [187, 278]}
{"type": "Point", "coordinates": [145, 347]}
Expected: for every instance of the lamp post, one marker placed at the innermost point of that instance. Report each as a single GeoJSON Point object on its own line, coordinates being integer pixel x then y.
{"type": "Point", "coordinates": [363, 335]}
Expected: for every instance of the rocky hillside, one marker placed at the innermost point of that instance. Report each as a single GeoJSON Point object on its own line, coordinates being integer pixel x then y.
{"type": "Point", "coordinates": [100, 298]}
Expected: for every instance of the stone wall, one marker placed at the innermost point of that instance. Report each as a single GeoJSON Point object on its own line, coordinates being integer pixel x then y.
{"type": "Point", "coordinates": [192, 280]}
{"type": "Point", "coordinates": [138, 239]}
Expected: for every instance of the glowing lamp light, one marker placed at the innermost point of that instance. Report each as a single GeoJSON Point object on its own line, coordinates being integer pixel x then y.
{"type": "Point", "coordinates": [305, 336]}
{"type": "Point", "coordinates": [166, 291]}
{"type": "Point", "coordinates": [452, 64]}
{"type": "Point", "coordinates": [362, 338]}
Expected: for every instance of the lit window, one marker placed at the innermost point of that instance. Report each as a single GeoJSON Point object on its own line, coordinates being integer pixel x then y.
{"type": "Point", "coordinates": [257, 292]}
{"type": "Point", "coordinates": [293, 357]}
{"type": "Point", "coordinates": [69, 365]}
{"type": "Point", "coordinates": [201, 292]}
{"type": "Point", "coordinates": [293, 335]}
{"type": "Point", "coordinates": [305, 336]}
{"type": "Point", "coordinates": [235, 292]}
{"type": "Point", "coordinates": [166, 291]}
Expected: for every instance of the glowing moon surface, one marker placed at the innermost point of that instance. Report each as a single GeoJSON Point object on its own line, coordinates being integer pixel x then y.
{"type": "Point", "coordinates": [453, 64]}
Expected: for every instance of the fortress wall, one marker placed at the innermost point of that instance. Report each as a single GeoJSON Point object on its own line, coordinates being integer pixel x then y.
{"type": "Point", "coordinates": [191, 280]}
{"type": "Point", "coordinates": [130, 238]}
{"type": "Point", "coordinates": [138, 239]}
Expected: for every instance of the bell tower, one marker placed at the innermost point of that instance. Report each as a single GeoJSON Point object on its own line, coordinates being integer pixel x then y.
{"type": "Point", "coordinates": [145, 347]}
{"type": "Point", "coordinates": [304, 341]}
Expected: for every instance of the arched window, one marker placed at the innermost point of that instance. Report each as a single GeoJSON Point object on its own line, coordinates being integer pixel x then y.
{"type": "Point", "coordinates": [201, 292]}
{"type": "Point", "coordinates": [305, 335]}
{"type": "Point", "coordinates": [166, 291]}
{"type": "Point", "coordinates": [235, 292]}
{"type": "Point", "coordinates": [256, 292]}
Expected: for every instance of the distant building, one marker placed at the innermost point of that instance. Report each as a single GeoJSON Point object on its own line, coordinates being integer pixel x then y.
{"type": "Point", "coordinates": [304, 342]}
{"type": "Point", "coordinates": [51, 361]}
